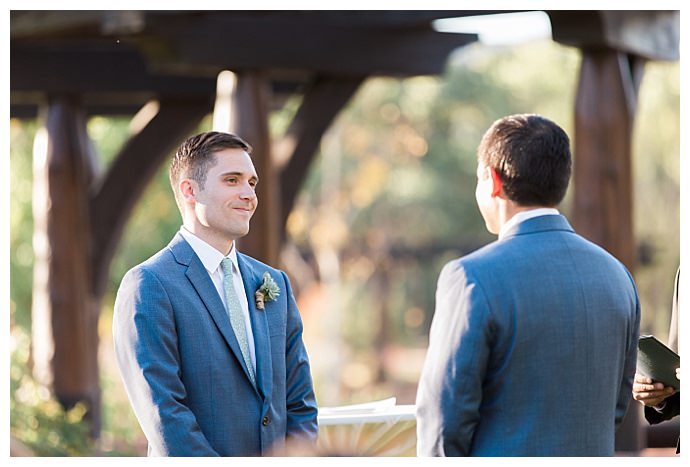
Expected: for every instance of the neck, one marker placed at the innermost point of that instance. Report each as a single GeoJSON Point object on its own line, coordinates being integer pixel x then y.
{"type": "Point", "coordinates": [508, 209]}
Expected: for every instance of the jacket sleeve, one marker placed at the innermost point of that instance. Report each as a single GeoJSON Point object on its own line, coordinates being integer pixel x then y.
{"type": "Point", "coordinates": [450, 389]}
{"type": "Point", "coordinates": [145, 342]}
{"type": "Point", "coordinates": [300, 400]}
{"type": "Point", "coordinates": [668, 409]}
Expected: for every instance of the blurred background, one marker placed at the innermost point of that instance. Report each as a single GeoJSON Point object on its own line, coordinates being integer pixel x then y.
{"type": "Point", "coordinates": [388, 200]}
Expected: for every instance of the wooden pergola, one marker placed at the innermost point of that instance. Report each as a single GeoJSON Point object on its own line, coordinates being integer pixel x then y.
{"type": "Point", "coordinates": [68, 65]}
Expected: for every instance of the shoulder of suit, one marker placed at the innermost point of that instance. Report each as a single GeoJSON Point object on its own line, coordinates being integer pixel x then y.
{"type": "Point", "coordinates": [485, 253]}
{"type": "Point", "coordinates": [158, 263]}
{"type": "Point", "coordinates": [474, 259]}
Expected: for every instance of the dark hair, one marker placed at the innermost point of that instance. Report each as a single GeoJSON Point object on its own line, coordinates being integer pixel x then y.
{"type": "Point", "coordinates": [531, 155]}
{"type": "Point", "coordinates": [195, 156]}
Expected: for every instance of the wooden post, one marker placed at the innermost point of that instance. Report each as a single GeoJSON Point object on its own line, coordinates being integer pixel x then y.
{"type": "Point", "coordinates": [604, 114]}
{"type": "Point", "coordinates": [64, 313]}
{"type": "Point", "coordinates": [603, 201]}
{"type": "Point", "coordinates": [250, 121]}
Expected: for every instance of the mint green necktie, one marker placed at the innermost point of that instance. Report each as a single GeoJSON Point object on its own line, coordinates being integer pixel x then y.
{"type": "Point", "coordinates": [236, 315]}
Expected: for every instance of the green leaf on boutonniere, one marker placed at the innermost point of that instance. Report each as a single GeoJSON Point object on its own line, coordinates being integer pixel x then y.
{"type": "Point", "coordinates": [268, 292]}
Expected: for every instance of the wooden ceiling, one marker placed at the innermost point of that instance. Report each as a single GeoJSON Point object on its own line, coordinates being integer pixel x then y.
{"type": "Point", "coordinates": [117, 60]}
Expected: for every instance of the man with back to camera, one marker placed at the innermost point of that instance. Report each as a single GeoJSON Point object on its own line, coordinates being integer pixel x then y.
{"type": "Point", "coordinates": [533, 344]}
{"type": "Point", "coordinates": [209, 340]}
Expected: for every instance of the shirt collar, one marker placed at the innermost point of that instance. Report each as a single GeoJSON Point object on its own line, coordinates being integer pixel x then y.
{"type": "Point", "coordinates": [209, 256]}
{"type": "Point", "coordinates": [523, 216]}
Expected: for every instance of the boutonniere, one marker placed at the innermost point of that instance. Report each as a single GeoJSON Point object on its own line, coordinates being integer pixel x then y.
{"type": "Point", "coordinates": [268, 292]}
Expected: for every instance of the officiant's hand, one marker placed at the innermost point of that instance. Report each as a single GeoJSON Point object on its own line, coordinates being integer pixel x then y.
{"type": "Point", "coordinates": [648, 392]}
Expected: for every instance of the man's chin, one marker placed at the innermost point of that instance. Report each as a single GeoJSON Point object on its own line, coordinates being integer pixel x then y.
{"type": "Point", "coordinates": [241, 232]}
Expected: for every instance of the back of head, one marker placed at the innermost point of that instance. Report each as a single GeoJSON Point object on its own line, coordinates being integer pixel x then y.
{"type": "Point", "coordinates": [195, 157]}
{"type": "Point", "coordinates": [531, 155]}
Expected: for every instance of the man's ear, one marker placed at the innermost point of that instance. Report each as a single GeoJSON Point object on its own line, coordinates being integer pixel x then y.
{"type": "Point", "coordinates": [188, 188]}
{"type": "Point", "coordinates": [496, 183]}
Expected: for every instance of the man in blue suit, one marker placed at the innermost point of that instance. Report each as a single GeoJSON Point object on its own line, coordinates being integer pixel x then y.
{"type": "Point", "coordinates": [533, 344]}
{"type": "Point", "coordinates": [208, 340]}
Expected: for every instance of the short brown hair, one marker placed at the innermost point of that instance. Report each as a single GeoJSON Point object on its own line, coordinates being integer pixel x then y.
{"type": "Point", "coordinates": [531, 155]}
{"type": "Point", "coordinates": [196, 155]}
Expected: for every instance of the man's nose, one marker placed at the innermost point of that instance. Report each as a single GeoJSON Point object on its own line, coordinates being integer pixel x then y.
{"type": "Point", "coordinates": [248, 191]}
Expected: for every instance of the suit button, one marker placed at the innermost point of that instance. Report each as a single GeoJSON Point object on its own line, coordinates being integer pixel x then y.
{"type": "Point", "coordinates": [265, 421]}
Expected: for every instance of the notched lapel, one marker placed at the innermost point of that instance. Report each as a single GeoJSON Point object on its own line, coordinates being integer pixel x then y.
{"type": "Point", "coordinates": [262, 343]}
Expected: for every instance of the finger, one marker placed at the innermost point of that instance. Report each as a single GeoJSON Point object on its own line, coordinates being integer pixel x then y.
{"type": "Point", "coordinates": [643, 379]}
{"type": "Point", "coordinates": [649, 395]}
{"type": "Point", "coordinates": [637, 387]}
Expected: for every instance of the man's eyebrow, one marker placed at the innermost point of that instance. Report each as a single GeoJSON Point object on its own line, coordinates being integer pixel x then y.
{"type": "Point", "coordinates": [239, 174]}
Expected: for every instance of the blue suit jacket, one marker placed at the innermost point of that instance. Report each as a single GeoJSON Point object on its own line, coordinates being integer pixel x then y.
{"type": "Point", "coordinates": [532, 348]}
{"type": "Point", "coordinates": [183, 369]}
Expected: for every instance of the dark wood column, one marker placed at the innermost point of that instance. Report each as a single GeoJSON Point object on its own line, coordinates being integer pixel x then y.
{"type": "Point", "coordinates": [603, 197]}
{"type": "Point", "coordinates": [604, 114]}
{"type": "Point", "coordinates": [250, 120]}
{"type": "Point", "coordinates": [64, 314]}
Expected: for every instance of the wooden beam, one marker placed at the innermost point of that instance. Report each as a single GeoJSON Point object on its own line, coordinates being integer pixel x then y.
{"type": "Point", "coordinates": [64, 316]}
{"type": "Point", "coordinates": [33, 23]}
{"type": "Point", "coordinates": [116, 81]}
{"type": "Point", "coordinates": [96, 68]}
{"type": "Point", "coordinates": [24, 24]}
{"type": "Point", "coordinates": [653, 35]}
{"type": "Point", "coordinates": [321, 103]}
{"type": "Point", "coordinates": [74, 24]}
{"type": "Point", "coordinates": [250, 121]}
{"type": "Point", "coordinates": [281, 43]}
{"type": "Point", "coordinates": [131, 172]}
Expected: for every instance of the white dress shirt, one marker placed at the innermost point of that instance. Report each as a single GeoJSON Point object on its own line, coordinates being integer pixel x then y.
{"type": "Point", "coordinates": [211, 259]}
{"type": "Point", "coordinates": [523, 216]}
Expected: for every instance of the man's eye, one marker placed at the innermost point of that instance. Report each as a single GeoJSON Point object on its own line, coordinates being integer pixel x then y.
{"type": "Point", "coordinates": [231, 180]}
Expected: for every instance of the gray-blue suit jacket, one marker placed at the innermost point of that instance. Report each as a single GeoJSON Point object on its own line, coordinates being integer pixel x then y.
{"type": "Point", "coordinates": [183, 369]}
{"type": "Point", "coordinates": [532, 348]}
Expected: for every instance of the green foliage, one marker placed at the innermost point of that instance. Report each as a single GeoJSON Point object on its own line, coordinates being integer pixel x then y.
{"type": "Point", "coordinates": [38, 420]}
{"type": "Point", "coordinates": [21, 221]}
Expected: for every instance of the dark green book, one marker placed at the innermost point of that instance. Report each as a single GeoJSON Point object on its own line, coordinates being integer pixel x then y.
{"type": "Point", "coordinates": [657, 361]}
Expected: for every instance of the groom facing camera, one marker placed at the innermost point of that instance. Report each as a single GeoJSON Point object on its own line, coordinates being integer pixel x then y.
{"type": "Point", "coordinates": [209, 340]}
{"type": "Point", "coordinates": [533, 344]}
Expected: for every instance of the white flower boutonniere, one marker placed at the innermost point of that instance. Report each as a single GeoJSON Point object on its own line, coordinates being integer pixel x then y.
{"type": "Point", "coordinates": [268, 292]}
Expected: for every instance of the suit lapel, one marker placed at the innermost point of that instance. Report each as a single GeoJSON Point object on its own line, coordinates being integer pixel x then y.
{"type": "Point", "coordinates": [198, 276]}
{"type": "Point", "coordinates": [262, 343]}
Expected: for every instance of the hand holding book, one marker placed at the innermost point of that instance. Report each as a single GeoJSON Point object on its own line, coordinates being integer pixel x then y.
{"type": "Point", "coordinates": [658, 362]}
